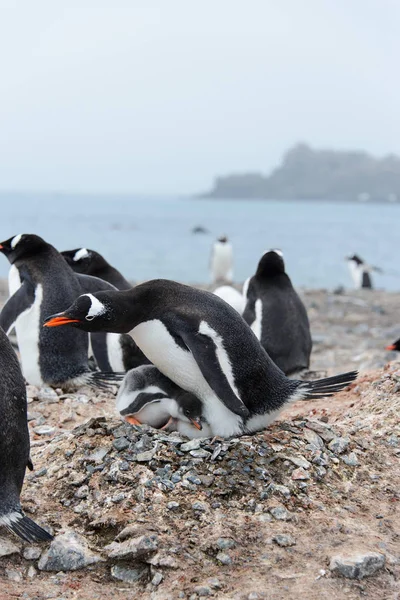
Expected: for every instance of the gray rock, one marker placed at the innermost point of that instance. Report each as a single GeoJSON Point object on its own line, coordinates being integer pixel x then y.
{"type": "Point", "coordinates": [47, 394]}
{"type": "Point", "coordinates": [201, 453]}
{"type": "Point", "coordinates": [44, 430]}
{"type": "Point", "coordinates": [350, 459]}
{"type": "Point", "coordinates": [280, 513]}
{"type": "Point", "coordinates": [68, 552]}
{"type": "Point", "coordinates": [82, 492]}
{"type": "Point", "coordinates": [121, 443]}
{"type": "Point", "coordinates": [224, 559]}
{"type": "Point", "coordinates": [284, 540]}
{"type": "Point", "coordinates": [7, 547]}
{"type": "Point", "coordinates": [145, 456]}
{"type": "Point", "coordinates": [14, 575]}
{"type": "Point", "coordinates": [214, 583]}
{"type": "Point", "coordinates": [97, 455]}
{"type": "Point", "coordinates": [192, 445]}
{"type": "Point", "coordinates": [157, 578]}
{"type": "Point", "coordinates": [357, 566]}
{"type": "Point", "coordinates": [225, 543]}
{"type": "Point", "coordinates": [322, 429]}
{"type": "Point", "coordinates": [198, 506]}
{"type": "Point", "coordinates": [339, 444]}
{"type": "Point", "coordinates": [313, 438]}
{"type": "Point", "coordinates": [135, 548]}
{"type": "Point", "coordinates": [31, 573]}
{"type": "Point", "coordinates": [300, 474]}
{"type": "Point", "coordinates": [299, 461]}
{"type": "Point", "coordinates": [253, 596]}
{"type": "Point", "coordinates": [202, 591]}
{"type": "Point", "coordinates": [173, 505]}
{"type": "Point", "coordinates": [32, 552]}
{"type": "Point", "coordinates": [129, 575]}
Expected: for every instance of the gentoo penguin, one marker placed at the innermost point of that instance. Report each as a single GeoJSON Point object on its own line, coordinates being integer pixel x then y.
{"type": "Point", "coordinates": [40, 281]}
{"type": "Point", "coordinates": [204, 346]}
{"type": "Point", "coordinates": [221, 263]}
{"type": "Point", "coordinates": [276, 314]}
{"type": "Point", "coordinates": [394, 346]}
{"type": "Point", "coordinates": [14, 446]}
{"type": "Point", "coordinates": [232, 297]}
{"type": "Point", "coordinates": [147, 396]}
{"type": "Point", "coordinates": [361, 272]}
{"type": "Point", "coordinates": [90, 262]}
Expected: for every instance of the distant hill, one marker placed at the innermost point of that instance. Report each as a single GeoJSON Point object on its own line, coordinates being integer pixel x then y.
{"type": "Point", "coordinates": [317, 174]}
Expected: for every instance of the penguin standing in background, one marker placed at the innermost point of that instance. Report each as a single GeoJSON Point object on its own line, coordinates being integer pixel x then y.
{"type": "Point", "coordinates": [221, 264]}
{"type": "Point", "coordinates": [204, 346]}
{"type": "Point", "coordinates": [277, 316]}
{"type": "Point", "coordinates": [14, 446]}
{"type": "Point", "coordinates": [360, 272]}
{"type": "Point", "coordinates": [89, 262]}
{"type": "Point", "coordinates": [147, 396]}
{"type": "Point", "coordinates": [40, 280]}
{"type": "Point", "coordinates": [232, 297]}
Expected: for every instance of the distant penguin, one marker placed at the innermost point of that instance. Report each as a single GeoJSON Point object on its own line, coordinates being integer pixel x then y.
{"type": "Point", "coordinates": [361, 272]}
{"type": "Point", "coordinates": [394, 346]}
{"type": "Point", "coordinates": [14, 446]}
{"type": "Point", "coordinates": [40, 281]}
{"type": "Point", "coordinates": [204, 346]}
{"type": "Point", "coordinates": [90, 262]}
{"type": "Point", "coordinates": [221, 263]}
{"type": "Point", "coordinates": [232, 296]}
{"type": "Point", "coordinates": [277, 316]}
{"type": "Point", "coordinates": [147, 396]}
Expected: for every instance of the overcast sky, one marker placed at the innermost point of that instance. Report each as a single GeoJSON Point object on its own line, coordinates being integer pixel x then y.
{"type": "Point", "coordinates": [161, 95]}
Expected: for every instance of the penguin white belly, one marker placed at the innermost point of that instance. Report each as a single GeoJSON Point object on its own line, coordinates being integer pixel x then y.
{"type": "Point", "coordinates": [256, 325]}
{"type": "Point", "coordinates": [232, 297]}
{"type": "Point", "coordinates": [114, 352]}
{"type": "Point", "coordinates": [221, 266]}
{"type": "Point", "coordinates": [356, 272]}
{"type": "Point", "coordinates": [155, 341]}
{"type": "Point", "coordinates": [27, 327]}
{"type": "Point", "coordinates": [14, 280]}
{"type": "Point", "coordinates": [260, 422]}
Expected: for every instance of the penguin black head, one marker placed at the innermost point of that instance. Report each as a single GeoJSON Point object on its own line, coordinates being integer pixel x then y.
{"type": "Point", "coordinates": [22, 245]}
{"type": "Point", "coordinates": [394, 346]}
{"type": "Point", "coordinates": [271, 263]}
{"type": "Point", "coordinates": [91, 312]}
{"type": "Point", "coordinates": [190, 409]}
{"type": "Point", "coordinates": [355, 259]}
{"type": "Point", "coordinates": [223, 239]}
{"type": "Point", "coordinates": [83, 260]}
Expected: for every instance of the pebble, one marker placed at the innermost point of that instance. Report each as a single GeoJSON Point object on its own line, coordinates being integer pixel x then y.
{"type": "Point", "coordinates": [192, 445]}
{"type": "Point", "coordinates": [350, 459]}
{"type": "Point", "coordinates": [284, 540]}
{"type": "Point", "coordinates": [313, 438]}
{"type": "Point", "coordinates": [299, 461]}
{"type": "Point", "coordinates": [300, 474]}
{"type": "Point", "coordinates": [82, 492]}
{"type": "Point", "coordinates": [47, 394]}
{"type": "Point", "coordinates": [68, 552]}
{"type": "Point", "coordinates": [145, 456]}
{"type": "Point", "coordinates": [129, 575]}
{"type": "Point", "coordinates": [223, 558]}
{"type": "Point", "coordinates": [225, 543]}
{"type": "Point", "coordinates": [357, 566]}
{"type": "Point", "coordinates": [121, 443]}
{"type": "Point", "coordinates": [280, 513]}
{"type": "Point", "coordinates": [8, 547]}
{"type": "Point", "coordinates": [157, 578]}
{"type": "Point", "coordinates": [14, 575]}
{"type": "Point", "coordinates": [32, 552]}
{"type": "Point", "coordinates": [44, 430]}
{"type": "Point", "coordinates": [173, 505]}
{"type": "Point", "coordinates": [214, 583]}
{"type": "Point", "coordinates": [339, 444]}
{"type": "Point", "coordinates": [140, 547]}
{"type": "Point", "coordinates": [202, 591]}
{"type": "Point", "coordinates": [201, 453]}
{"type": "Point", "coordinates": [31, 573]}
{"type": "Point", "coordinates": [253, 596]}
{"type": "Point", "coordinates": [198, 506]}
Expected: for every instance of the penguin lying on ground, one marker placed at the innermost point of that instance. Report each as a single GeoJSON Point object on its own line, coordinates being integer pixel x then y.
{"type": "Point", "coordinates": [40, 281]}
{"type": "Point", "coordinates": [394, 346]}
{"type": "Point", "coordinates": [204, 346]}
{"type": "Point", "coordinates": [14, 446]}
{"type": "Point", "coordinates": [232, 297]}
{"type": "Point", "coordinates": [221, 263]}
{"type": "Point", "coordinates": [147, 396]}
{"type": "Point", "coordinates": [360, 272]}
{"type": "Point", "coordinates": [90, 262]}
{"type": "Point", "coordinates": [277, 316]}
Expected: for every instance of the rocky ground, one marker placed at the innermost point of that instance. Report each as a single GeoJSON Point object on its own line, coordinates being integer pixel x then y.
{"type": "Point", "coordinates": [307, 509]}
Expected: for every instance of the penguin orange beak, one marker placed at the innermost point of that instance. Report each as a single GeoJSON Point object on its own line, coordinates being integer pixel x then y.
{"type": "Point", "coordinates": [1, 246]}
{"type": "Point", "coordinates": [391, 347]}
{"type": "Point", "coordinates": [57, 321]}
{"type": "Point", "coordinates": [197, 423]}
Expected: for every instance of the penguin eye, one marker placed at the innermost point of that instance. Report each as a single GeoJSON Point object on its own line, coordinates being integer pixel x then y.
{"type": "Point", "coordinates": [89, 317]}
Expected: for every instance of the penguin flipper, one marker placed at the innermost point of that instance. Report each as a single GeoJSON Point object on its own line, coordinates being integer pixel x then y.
{"type": "Point", "coordinates": [15, 305]}
{"type": "Point", "coordinates": [98, 341]}
{"type": "Point", "coordinates": [204, 352]}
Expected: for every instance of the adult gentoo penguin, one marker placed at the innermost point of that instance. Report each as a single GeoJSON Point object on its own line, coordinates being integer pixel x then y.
{"type": "Point", "coordinates": [40, 281]}
{"type": "Point", "coordinates": [394, 346]}
{"type": "Point", "coordinates": [221, 263]}
{"type": "Point", "coordinates": [276, 314]}
{"type": "Point", "coordinates": [361, 272]}
{"type": "Point", "coordinates": [204, 346]}
{"type": "Point", "coordinates": [148, 396]}
{"type": "Point", "coordinates": [14, 446]}
{"type": "Point", "coordinates": [90, 262]}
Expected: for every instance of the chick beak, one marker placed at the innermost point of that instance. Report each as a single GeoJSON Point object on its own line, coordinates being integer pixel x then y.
{"type": "Point", "coordinates": [58, 320]}
{"type": "Point", "coordinates": [391, 347]}
{"type": "Point", "coordinates": [197, 423]}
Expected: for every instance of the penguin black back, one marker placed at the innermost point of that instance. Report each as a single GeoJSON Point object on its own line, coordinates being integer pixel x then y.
{"type": "Point", "coordinates": [14, 446]}
{"type": "Point", "coordinates": [90, 262]}
{"type": "Point", "coordinates": [277, 315]}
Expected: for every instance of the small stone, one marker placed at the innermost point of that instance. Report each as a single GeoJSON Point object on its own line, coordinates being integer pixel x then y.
{"type": "Point", "coordinates": [82, 492]}
{"type": "Point", "coordinates": [32, 552]}
{"type": "Point", "coordinates": [253, 596]}
{"type": "Point", "coordinates": [44, 430]}
{"type": "Point", "coordinates": [284, 540]}
{"type": "Point", "coordinates": [223, 558]}
{"type": "Point", "coordinates": [225, 543]}
{"type": "Point", "coordinates": [339, 444]}
{"type": "Point", "coordinates": [350, 459]}
{"type": "Point", "coordinates": [98, 455]}
{"type": "Point", "coordinates": [300, 474]}
{"type": "Point", "coordinates": [198, 506]}
{"type": "Point", "coordinates": [280, 513]}
{"type": "Point", "coordinates": [202, 591]}
{"type": "Point", "coordinates": [357, 566]}
{"type": "Point", "coordinates": [145, 456]}
{"type": "Point", "coordinates": [299, 461]}
{"type": "Point", "coordinates": [7, 547]}
{"type": "Point", "coordinates": [68, 552]}
{"type": "Point", "coordinates": [121, 443]}
{"type": "Point", "coordinates": [313, 438]}
{"type": "Point", "coordinates": [157, 579]}
{"type": "Point", "coordinates": [214, 583]}
{"type": "Point", "coordinates": [47, 394]}
{"type": "Point", "coordinates": [192, 445]}
{"type": "Point", "coordinates": [14, 575]}
{"type": "Point", "coordinates": [31, 573]}
{"type": "Point", "coordinates": [129, 575]}
{"type": "Point", "coordinates": [201, 453]}
{"type": "Point", "coordinates": [173, 505]}
{"type": "Point", "coordinates": [140, 547]}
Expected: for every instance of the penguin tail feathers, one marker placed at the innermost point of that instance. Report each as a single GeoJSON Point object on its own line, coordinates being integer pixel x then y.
{"type": "Point", "coordinates": [104, 380]}
{"type": "Point", "coordinates": [24, 527]}
{"type": "Point", "coordinates": [321, 388]}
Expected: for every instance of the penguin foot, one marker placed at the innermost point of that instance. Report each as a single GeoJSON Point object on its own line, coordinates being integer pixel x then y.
{"type": "Point", "coordinates": [132, 420]}
{"type": "Point", "coordinates": [171, 421]}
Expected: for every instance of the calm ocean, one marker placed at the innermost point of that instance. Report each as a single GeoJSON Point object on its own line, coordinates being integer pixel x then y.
{"type": "Point", "coordinates": [152, 237]}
